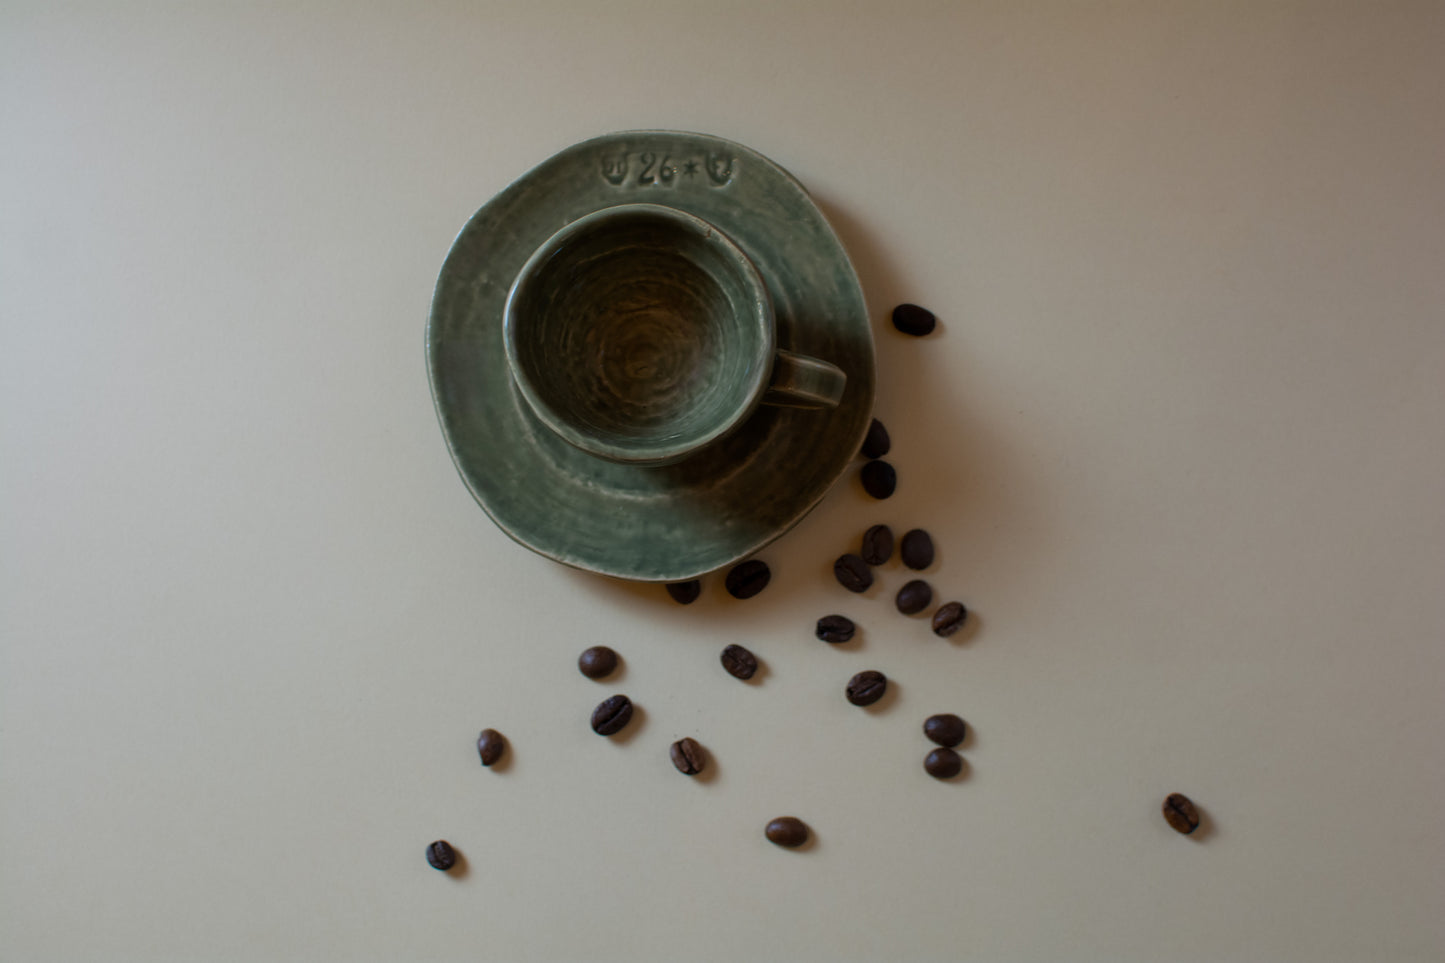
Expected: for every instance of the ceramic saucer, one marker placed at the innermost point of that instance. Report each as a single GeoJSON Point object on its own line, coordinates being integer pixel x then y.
{"type": "Point", "coordinates": [723, 504]}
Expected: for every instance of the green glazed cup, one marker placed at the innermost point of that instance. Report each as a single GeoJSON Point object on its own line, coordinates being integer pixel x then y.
{"type": "Point", "coordinates": [642, 334]}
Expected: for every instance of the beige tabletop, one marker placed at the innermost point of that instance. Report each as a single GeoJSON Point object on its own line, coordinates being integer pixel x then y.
{"type": "Point", "coordinates": [1179, 438]}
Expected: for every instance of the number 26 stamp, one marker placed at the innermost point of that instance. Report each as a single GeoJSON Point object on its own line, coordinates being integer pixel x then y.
{"type": "Point", "coordinates": [659, 169]}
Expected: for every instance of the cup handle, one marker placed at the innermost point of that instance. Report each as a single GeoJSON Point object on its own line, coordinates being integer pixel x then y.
{"type": "Point", "coordinates": [803, 382]}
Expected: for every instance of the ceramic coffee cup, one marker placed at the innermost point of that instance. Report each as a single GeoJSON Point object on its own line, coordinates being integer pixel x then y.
{"type": "Point", "coordinates": [641, 334]}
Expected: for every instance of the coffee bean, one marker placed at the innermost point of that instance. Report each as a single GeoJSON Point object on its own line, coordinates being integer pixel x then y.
{"type": "Point", "coordinates": [611, 715]}
{"type": "Point", "coordinates": [748, 579]}
{"type": "Point", "coordinates": [597, 662]}
{"type": "Point", "coordinates": [943, 763]}
{"type": "Point", "coordinates": [946, 729]}
{"type": "Point", "coordinates": [911, 319]}
{"type": "Point", "coordinates": [490, 746]}
{"type": "Point", "coordinates": [835, 628]}
{"type": "Point", "coordinates": [879, 479]}
{"type": "Point", "coordinates": [877, 443]}
{"type": "Point", "coordinates": [1180, 814]}
{"type": "Point", "coordinates": [914, 597]}
{"type": "Point", "coordinates": [739, 662]}
{"type": "Point", "coordinates": [949, 618]}
{"type": "Point", "coordinates": [441, 855]}
{"type": "Point", "coordinates": [877, 545]}
{"type": "Point", "coordinates": [685, 593]}
{"type": "Point", "coordinates": [853, 573]}
{"type": "Point", "coordinates": [688, 756]}
{"type": "Point", "coordinates": [867, 687]}
{"type": "Point", "coordinates": [916, 549]}
{"type": "Point", "coordinates": [787, 831]}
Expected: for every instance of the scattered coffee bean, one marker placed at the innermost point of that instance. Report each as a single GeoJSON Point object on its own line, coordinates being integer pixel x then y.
{"type": "Point", "coordinates": [597, 662]}
{"type": "Point", "coordinates": [787, 831]}
{"type": "Point", "coordinates": [835, 628]}
{"type": "Point", "coordinates": [949, 618]}
{"type": "Point", "coordinates": [877, 443]}
{"type": "Point", "coordinates": [688, 756]}
{"type": "Point", "coordinates": [911, 319]}
{"type": "Point", "coordinates": [1180, 814]}
{"type": "Point", "coordinates": [877, 545]}
{"type": "Point", "coordinates": [914, 597]}
{"type": "Point", "coordinates": [685, 593]}
{"type": "Point", "coordinates": [943, 763]}
{"type": "Point", "coordinates": [490, 746]}
{"type": "Point", "coordinates": [441, 855]}
{"type": "Point", "coordinates": [853, 573]}
{"type": "Point", "coordinates": [946, 729]}
{"type": "Point", "coordinates": [739, 662]}
{"type": "Point", "coordinates": [867, 687]}
{"type": "Point", "coordinates": [748, 578]}
{"type": "Point", "coordinates": [611, 715]}
{"type": "Point", "coordinates": [916, 549]}
{"type": "Point", "coordinates": [879, 479]}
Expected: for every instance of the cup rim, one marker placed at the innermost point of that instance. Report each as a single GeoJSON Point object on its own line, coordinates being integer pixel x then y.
{"type": "Point", "coordinates": [759, 371]}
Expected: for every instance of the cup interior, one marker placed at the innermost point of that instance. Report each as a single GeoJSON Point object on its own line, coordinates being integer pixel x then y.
{"type": "Point", "coordinates": [640, 333]}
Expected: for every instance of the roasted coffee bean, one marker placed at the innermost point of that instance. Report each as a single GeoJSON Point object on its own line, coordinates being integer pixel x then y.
{"type": "Point", "coordinates": [441, 855]}
{"type": "Point", "coordinates": [739, 662]}
{"type": "Point", "coordinates": [787, 831]}
{"type": "Point", "coordinates": [943, 763]}
{"type": "Point", "coordinates": [879, 479]}
{"type": "Point", "coordinates": [914, 597]}
{"type": "Point", "coordinates": [490, 746]}
{"type": "Point", "coordinates": [949, 618]}
{"type": "Point", "coordinates": [877, 545]}
{"type": "Point", "coordinates": [911, 319]}
{"type": "Point", "coordinates": [688, 756]}
{"type": "Point", "coordinates": [748, 578]}
{"type": "Point", "coordinates": [597, 662]}
{"type": "Point", "coordinates": [916, 549]}
{"type": "Point", "coordinates": [685, 593]}
{"type": "Point", "coordinates": [946, 729]}
{"type": "Point", "coordinates": [1180, 814]}
{"type": "Point", "coordinates": [611, 715]}
{"type": "Point", "coordinates": [835, 628]}
{"type": "Point", "coordinates": [853, 573]}
{"type": "Point", "coordinates": [867, 687]}
{"type": "Point", "coordinates": [877, 443]}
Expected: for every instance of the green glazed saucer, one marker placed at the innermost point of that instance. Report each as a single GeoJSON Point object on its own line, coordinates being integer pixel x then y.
{"type": "Point", "coordinates": [678, 521]}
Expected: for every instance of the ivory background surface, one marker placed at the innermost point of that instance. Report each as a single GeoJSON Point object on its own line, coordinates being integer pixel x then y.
{"type": "Point", "coordinates": [1180, 440]}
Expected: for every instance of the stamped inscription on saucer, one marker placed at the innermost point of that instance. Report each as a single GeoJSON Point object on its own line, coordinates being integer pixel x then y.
{"type": "Point", "coordinates": [651, 169]}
